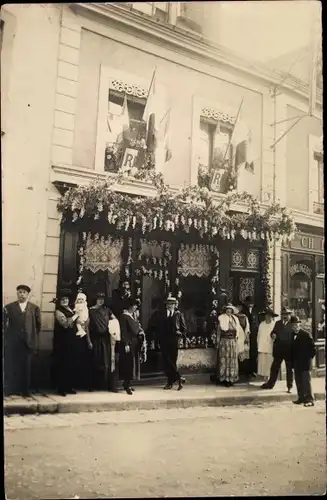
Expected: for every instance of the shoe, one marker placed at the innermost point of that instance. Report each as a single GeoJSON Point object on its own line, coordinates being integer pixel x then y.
{"type": "Point", "coordinates": [132, 389]}
{"type": "Point", "coordinates": [91, 389]}
{"type": "Point", "coordinates": [129, 391]}
{"type": "Point", "coordinates": [183, 380]}
{"type": "Point", "coordinates": [289, 390]}
{"type": "Point", "coordinates": [168, 386]}
{"type": "Point", "coordinates": [297, 402]}
{"type": "Point", "coordinates": [62, 393]}
{"type": "Point", "coordinates": [180, 386]}
{"type": "Point", "coordinates": [266, 386]}
{"type": "Point", "coordinates": [307, 404]}
{"type": "Point", "coordinates": [26, 394]}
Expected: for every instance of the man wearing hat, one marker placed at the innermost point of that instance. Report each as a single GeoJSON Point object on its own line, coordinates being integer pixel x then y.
{"type": "Point", "coordinates": [303, 351]}
{"type": "Point", "coordinates": [251, 313]}
{"type": "Point", "coordinates": [170, 326]}
{"type": "Point", "coordinates": [22, 325]}
{"type": "Point", "coordinates": [282, 336]}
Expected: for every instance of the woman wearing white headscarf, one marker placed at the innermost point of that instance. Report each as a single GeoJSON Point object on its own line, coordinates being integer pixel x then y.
{"type": "Point", "coordinates": [231, 345]}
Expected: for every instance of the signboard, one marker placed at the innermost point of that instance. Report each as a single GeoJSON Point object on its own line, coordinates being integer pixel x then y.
{"type": "Point", "coordinates": [300, 268]}
{"type": "Point", "coordinates": [129, 158]}
{"type": "Point", "coordinates": [216, 179]}
{"type": "Point", "coordinates": [309, 243]}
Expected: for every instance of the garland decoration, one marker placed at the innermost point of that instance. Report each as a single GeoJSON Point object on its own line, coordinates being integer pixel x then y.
{"type": "Point", "coordinates": [264, 269]}
{"type": "Point", "coordinates": [189, 209]}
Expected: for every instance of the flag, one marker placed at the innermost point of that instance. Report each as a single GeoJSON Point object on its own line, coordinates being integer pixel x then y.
{"type": "Point", "coordinates": [242, 144]}
{"type": "Point", "coordinates": [163, 151]}
{"type": "Point", "coordinates": [152, 99]}
{"type": "Point", "coordinates": [117, 120]}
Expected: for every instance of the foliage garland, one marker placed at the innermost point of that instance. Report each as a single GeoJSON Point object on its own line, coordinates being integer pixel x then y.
{"type": "Point", "coordinates": [191, 208]}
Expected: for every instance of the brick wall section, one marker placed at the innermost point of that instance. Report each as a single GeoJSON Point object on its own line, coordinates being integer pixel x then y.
{"type": "Point", "coordinates": [62, 154]}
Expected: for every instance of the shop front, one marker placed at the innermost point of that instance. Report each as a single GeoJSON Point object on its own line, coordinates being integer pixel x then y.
{"type": "Point", "coordinates": [183, 244]}
{"type": "Point", "coordinates": [303, 285]}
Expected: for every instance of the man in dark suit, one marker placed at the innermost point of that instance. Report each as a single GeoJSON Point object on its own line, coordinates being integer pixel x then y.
{"type": "Point", "coordinates": [22, 325]}
{"type": "Point", "coordinates": [282, 336]}
{"type": "Point", "coordinates": [170, 326]}
{"type": "Point", "coordinates": [251, 313]}
{"type": "Point", "coordinates": [303, 351]}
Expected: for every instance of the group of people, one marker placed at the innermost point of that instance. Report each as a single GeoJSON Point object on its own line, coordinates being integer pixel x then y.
{"type": "Point", "coordinates": [94, 347]}
{"type": "Point", "coordinates": [242, 337]}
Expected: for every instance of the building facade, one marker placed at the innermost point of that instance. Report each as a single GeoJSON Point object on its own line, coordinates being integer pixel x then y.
{"type": "Point", "coordinates": [55, 111]}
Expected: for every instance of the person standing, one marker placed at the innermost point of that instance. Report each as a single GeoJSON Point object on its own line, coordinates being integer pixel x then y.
{"type": "Point", "coordinates": [84, 361]}
{"type": "Point", "coordinates": [64, 345]}
{"type": "Point", "coordinates": [230, 346]}
{"type": "Point", "coordinates": [22, 326]}
{"type": "Point", "coordinates": [104, 366]}
{"type": "Point", "coordinates": [169, 328]}
{"type": "Point", "coordinates": [265, 344]}
{"type": "Point", "coordinates": [303, 351]}
{"type": "Point", "coordinates": [245, 354]}
{"type": "Point", "coordinates": [250, 311]}
{"type": "Point", "coordinates": [282, 336]}
{"type": "Point", "coordinates": [131, 334]}
{"type": "Point", "coordinates": [119, 297]}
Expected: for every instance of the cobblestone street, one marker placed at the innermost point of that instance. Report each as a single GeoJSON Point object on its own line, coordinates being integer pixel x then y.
{"type": "Point", "coordinates": [268, 450]}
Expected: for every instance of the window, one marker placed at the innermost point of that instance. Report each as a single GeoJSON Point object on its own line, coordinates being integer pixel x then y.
{"type": "Point", "coordinates": [214, 152]}
{"type": "Point", "coordinates": [126, 129]}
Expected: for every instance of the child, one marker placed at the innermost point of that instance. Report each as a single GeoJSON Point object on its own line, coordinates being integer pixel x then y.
{"type": "Point", "coordinates": [303, 350]}
{"type": "Point", "coordinates": [83, 314]}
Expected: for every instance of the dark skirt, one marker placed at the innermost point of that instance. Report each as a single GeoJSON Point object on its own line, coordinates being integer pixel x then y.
{"type": "Point", "coordinates": [102, 361]}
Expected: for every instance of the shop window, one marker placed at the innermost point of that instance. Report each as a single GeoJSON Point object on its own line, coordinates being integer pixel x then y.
{"type": "Point", "coordinates": [214, 153]}
{"type": "Point", "coordinates": [320, 298]}
{"type": "Point", "coordinates": [301, 289]}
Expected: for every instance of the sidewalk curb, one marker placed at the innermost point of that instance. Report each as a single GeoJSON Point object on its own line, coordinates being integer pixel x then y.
{"type": "Point", "coordinates": [34, 407]}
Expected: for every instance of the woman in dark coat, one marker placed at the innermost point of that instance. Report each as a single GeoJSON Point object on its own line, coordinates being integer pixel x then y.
{"type": "Point", "coordinates": [64, 345]}
{"type": "Point", "coordinates": [131, 337]}
{"type": "Point", "coordinates": [103, 348]}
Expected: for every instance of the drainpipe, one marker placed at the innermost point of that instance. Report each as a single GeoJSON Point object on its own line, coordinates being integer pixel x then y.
{"type": "Point", "coordinates": [274, 190]}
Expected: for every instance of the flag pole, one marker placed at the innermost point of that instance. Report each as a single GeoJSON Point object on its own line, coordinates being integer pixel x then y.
{"type": "Point", "coordinates": [232, 134]}
{"type": "Point", "coordinates": [146, 102]}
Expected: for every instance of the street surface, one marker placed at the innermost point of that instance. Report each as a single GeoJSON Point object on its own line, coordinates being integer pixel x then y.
{"type": "Point", "coordinates": [268, 450]}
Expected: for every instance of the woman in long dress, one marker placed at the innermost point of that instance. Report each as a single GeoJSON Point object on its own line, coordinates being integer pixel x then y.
{"type": "Point", "coordinates": [84, 372]}
{"type": "Point", "coordinates": [64, 345]}
{"type": "Point", "coordinates": [231, 340]}
{"type": "Point", "coordinates": [104, 360]}
{"type": "Point", "coordinates": [265, 344]}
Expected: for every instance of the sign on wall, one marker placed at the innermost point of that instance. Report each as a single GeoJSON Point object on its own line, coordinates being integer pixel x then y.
{"type": "Point", "coordinates": [307, 242]}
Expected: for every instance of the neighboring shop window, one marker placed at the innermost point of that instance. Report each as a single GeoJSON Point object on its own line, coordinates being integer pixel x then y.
{"type": "Point", "coordinates": [320, 298]}
{"type": "Point", "coordinates": [301, 288]}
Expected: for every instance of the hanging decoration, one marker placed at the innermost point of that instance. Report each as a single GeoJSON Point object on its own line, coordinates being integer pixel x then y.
{"type": "Point", "coordinates": [188, 209]}
{"type": "Point", "coordinates": [264, 270]}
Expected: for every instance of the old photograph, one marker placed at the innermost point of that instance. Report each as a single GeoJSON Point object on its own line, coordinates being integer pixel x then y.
{"type": "Point", "coordinates": [163, 249]}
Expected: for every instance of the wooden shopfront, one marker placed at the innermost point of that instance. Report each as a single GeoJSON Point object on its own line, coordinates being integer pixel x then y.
{"type": "Point", "coordinates": [192, 269]}
{"type": "Point", "coordinates": [303, 285]}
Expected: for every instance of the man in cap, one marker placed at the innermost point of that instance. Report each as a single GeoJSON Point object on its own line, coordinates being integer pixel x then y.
{"type": "Point", "coordinates": [22, 325]}
{"type": "Point", "coordinates": [282, 336]}
{"type": "Point", "coordinates": [170, 326]}
{"type": "Point", "coordinates": [303, 351]}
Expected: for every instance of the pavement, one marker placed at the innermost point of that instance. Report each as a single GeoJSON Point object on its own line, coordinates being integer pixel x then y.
{"type": "Point", "coordinates": [267, 450]}
{"type": "Point", "coordinates": [154, 397]}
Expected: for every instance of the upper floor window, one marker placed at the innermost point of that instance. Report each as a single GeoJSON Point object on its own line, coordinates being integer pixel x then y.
{"type": "Point", "coordinates": [214, 153]}
{"type": "Point", "coordinates": [126, 130]}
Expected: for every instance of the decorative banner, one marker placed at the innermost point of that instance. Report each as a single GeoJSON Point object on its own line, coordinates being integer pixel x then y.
{"type": "Point", "coordinates": [194, 260]}
{"type": "Point", "coordinates": [103, 254]}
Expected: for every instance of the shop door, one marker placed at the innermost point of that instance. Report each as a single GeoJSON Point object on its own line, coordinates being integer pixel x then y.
{"type": "Point", "coordinates": [242, 285]}
{"type": "Point", "coordinates": [152, 296]}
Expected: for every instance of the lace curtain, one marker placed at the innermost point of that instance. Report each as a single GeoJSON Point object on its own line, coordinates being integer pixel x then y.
{"type": "Point", "coordinates": [103, 254]}
{"type": "Point", "coordinates": [194, 260]}
{"type": "Point", "coordinates": [150, 249]}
